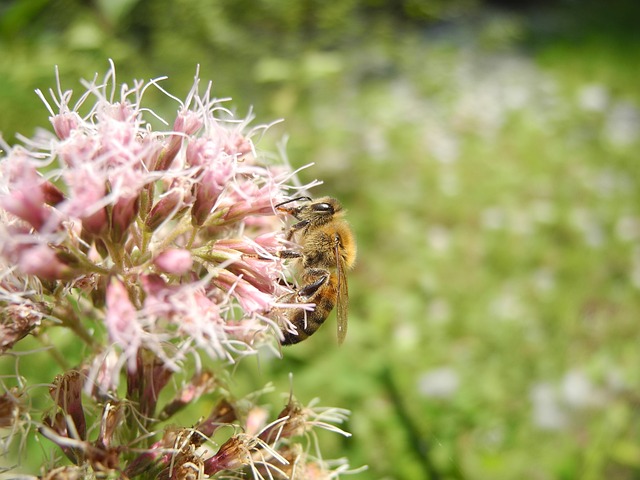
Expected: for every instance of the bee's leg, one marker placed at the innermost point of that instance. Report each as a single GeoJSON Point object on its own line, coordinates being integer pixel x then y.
{"type": "Point", "coordinates": [314, 279]}
{"type": "Point", "coordinates": [289, 254]}
{"type": "Point", "coordinates": [299, 225]}
{"type": "Point", "coordinates": [281, 254]}
{"type": "Point", "coordinates": [295, 227]}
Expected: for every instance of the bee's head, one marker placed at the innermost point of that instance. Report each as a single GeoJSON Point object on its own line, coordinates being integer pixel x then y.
{"type": "Point", "coordinates": [316, 212]}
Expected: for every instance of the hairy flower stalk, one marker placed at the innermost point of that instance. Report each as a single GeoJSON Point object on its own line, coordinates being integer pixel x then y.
{"type": "Point", "coordinates": [159, 250]}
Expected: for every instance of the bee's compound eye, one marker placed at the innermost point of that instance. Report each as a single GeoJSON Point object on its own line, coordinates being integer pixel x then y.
{"type": "Point", "coordinates": [323, 207]}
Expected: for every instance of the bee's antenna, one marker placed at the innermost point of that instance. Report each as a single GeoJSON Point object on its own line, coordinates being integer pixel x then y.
{"type": "Point", "coordinates": [296, 199]}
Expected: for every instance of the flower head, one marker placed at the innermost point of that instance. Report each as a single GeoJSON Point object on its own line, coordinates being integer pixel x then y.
{"type": "Point", "coordinates": [157, 249]}
{"type": "Point", "coordinates": [142, 210]}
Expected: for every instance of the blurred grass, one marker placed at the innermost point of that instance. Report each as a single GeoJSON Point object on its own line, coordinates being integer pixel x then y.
{"type": "Point", "coordinates": [488, 159]}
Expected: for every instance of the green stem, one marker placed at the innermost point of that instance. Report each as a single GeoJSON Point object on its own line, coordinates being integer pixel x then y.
{"type": "Point", "coordinates": [85, 263]}
{"type": "Point", "coordinates": [212, 255]}
{"type": "Point", "coordinates": [183, 227]}
{"type": "Point", "coordinates": [146, 236]}
{"type": "Point", "coordinates": [416, 439]}
{"type": "Point", "coordinates": [116, 254]}
{"type": "Point", "coordinates": [69, 319]}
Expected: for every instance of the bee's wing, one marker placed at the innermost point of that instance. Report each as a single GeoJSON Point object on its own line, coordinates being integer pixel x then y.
{"type": "Point", "coordinates": [343, 296]}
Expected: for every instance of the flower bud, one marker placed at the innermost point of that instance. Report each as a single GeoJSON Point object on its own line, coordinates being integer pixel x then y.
{"type": "Point", "coordinates": [16, 322]}
{"type": "Point", "coordinates": [171, 204]}
{"type": "Point", "coordinates": [206, 194]}
{"type": "Point", "coordinates": [28, 206]}
{"type": "Point", "coordinates": [145, 383]}
{"type": "Point", "coordinates": [175, 261]}
{"type": "Point", "coordinates": [235, 453]}
{"type": "Point", "coordinates": [66, 392]}
{"type": "Point", "coordinates": [122, 215]}
{"type": "Point", "coordinates": [52, 194]}
{"type": "Point", "coordinates": [26, 198]}
{"type": "Point", "coordinates": [11, 407]}
{"type": "Point", "coordinates": [188, 123]}
{"type": "Point", "coordinates": [121, 321]}
{"type": "Point", "coordinates": [42, 261]}
{"type": "Point", "coordinates": [65, 123]}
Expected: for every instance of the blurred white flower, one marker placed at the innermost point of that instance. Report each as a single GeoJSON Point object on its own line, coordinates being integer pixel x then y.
{"type": "Point", "coordinates": [547, 413]}
{"type": "Point", "coordinates": [628, 228]}
{"type": "Point", "coordinates": [614, 380]}
{"type": "Point", "coordinates": [439, 238]}
{"type": "Point", "coordinates": [543, 211]}
{"type": "Point", "coordinates": [578, 391]}
{"type": "Point", "coordinates": [492, 218]}
{"type": "Point", "coordinates": [439, 383]}
{"type": "Point", "coordinates": [376, 143]}
{"type": "Point", "coordinates": [521, 222]}
{"type": "Point", "coordinates": [593, 97]}
{"type": "Point", "coordinates": [553, 405]}
{"type": "Point", "coordinates": [635, 268]}
{"type": "Point", "coordinates": [438, 311]}
{"type": "Point", "coordinates": [543, 280]}
{"type": "Point", "coordinates": [585, 221]}
{"type": "Point", "coordinates": [441, 143]}
{"type": "Point", "coordinates": [406, 335]}
{"type": "Point", "coordinates": [507, 305]}
{"type": "Point", "coordinates": [622, 126]}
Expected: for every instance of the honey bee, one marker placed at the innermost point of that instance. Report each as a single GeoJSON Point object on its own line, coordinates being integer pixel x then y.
{"type": "Point", "coordinates": [327, 250]}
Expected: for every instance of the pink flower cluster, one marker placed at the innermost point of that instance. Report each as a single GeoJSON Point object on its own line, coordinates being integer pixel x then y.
{"type": "Point", "coordinates": [158, 248]}
{"type": "Point", "coordinates": [175, 229]}
{"type": "Point", "coordinates": [255, 447]}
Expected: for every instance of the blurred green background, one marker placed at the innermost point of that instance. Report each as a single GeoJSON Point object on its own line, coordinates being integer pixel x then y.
{"type": "Point", "coordinates": [487, 153]}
